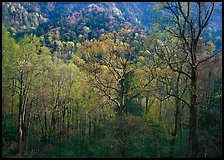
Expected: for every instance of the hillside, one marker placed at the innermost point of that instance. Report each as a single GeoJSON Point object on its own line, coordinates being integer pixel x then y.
{"type": "Point", "coordinates": [78, 21]}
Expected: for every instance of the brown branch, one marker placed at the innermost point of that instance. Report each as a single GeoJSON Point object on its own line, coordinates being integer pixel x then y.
{"type": "Point", "coordinates": [205, 20]}
{"type": "Point", "coordinates": [104, 85]}
{"type": "Point", "coordinates": [208, 16]}
{"type": "Point", "coordinates": [207, 58]}
{"type": "Point", "coordinates": [175, 70]}
{"type": "Point", "coordinates": [109, 96]}
{"type": "Point", "coordinates": [162, 99]}
{"type": "Point", "coordinates": [179, 99]}
{"type": "Point", "coordinates": [182, 13]}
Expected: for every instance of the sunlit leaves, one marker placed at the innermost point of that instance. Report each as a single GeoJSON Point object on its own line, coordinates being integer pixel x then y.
{"type": "Point", "coordinates": [9, 59]}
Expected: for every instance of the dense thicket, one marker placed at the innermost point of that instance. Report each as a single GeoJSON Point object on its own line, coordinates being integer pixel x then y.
{"type": "Point", "coordinates": [122, 94]}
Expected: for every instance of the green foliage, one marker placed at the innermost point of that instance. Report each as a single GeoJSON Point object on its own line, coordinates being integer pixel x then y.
{"type": "Point", "coordinates": [135, 109]}
{"type": "Point", "coordinates": [9, 128]}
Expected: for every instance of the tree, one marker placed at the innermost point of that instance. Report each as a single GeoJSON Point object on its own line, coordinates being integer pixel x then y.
{"type": "Point", "coordinates": [10, 63]}
{"type": "Point", "coordinates": [109, 60]}
{"type": "Point", "coordinates": [27, 71]}
{"type": "Point", "coordinates": [189, 20]}
{"type": "Point", "coordinates": [9, 91]}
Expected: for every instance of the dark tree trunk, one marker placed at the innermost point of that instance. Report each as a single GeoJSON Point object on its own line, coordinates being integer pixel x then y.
{"type": "Point", "coordinates": [160, 109]}
{"type": "Point", "coordinates": [13, 93]}
{"type": "Point", "coordinates": [63, 114]}
{"type": "Point", "coordinates": [146, 104]}
{"type": "Point", "coordinates": [124, 138]}
{"type": "Point", "coordinates": [20, 117]}
{"type": "Point", "coordinates": [68, 125]}
{"type": "Point", "coordinates": [180, 124]}
{"type": "Point", "coordinates": [174, 133]}
{"type": "Point", "coordinates": [155, 148]}
{"type": "Point", "coordinates": [177, 117]}
{"type": "Point", "coordinates": [193, 118]}
{"type": "Point", "coordinates": [90, 127]}
{"type": "Point", "coordinates": [45, 126]}
{"type": "Point", "coordinates": [28, 122]}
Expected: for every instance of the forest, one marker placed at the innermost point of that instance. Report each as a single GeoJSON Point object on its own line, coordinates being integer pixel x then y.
{"type": "Point", "coordinates": [111, 80]}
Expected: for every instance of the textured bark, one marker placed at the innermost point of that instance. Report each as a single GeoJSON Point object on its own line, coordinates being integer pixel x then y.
{"type": "Point", "coordinates": [193, 118]}
{"type": "Point", "coordinates": [124, 137]}
{"type": "Point", "coordinates": [176, 129]}
{"type": "Point", "coordinates": [90, 128]}
{"type": "Point", "coordinates": [160, 108]}
{"type": "Point", "coordinates": [146, 104]}
{"type": "Point", "coordinates": [177, 118]}
{"type": "Point", "coordinates": [45, 127]}
{"type": "Point", "coordinates": [155, 147]}
{"type": "Point", "coordinates": [20, 117]}
{"type": "Point", "coordinates": [13, 93]}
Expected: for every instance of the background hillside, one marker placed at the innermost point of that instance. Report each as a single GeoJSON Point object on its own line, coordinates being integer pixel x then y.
{"type": "Point", "coordinates": [61, 22]}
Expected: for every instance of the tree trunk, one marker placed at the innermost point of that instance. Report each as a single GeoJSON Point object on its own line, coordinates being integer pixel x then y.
{"type": "Point", "coordinates": [45, 126]}
{"type": "Point", "coordinates": [155, 148]}
{"type": "Point", "coordinates": [20, 134]}
{"type": "Point", "coordinates": [193, 118]}
{"type": "Point", "coordinates": [160, 109]}
{"type": "Point", "coordinates": [90, 127]}
{"type": "Point", "coordinates": [123, 109]}
{"type": "Point", "coordinates": [68, 125]}
{"type": "Point", "coordinates": [124, 138]}
{"type": "Point", "coordinates": [180, 124]}
{"type": "Point", "coordinates": [13, 93]}
{"type": "Point", "coordinates": [20, 117]}
{"type": "Point", "coordinates": [63, 114]}
{"type": "Point", "coordinates": [146, 104]}
{"type": "Point", "coordinates": [177, 118]}
{"type": "Point", "coordinates": [174, 133]}
{"type": "Point", "coordinates": [28, 122]}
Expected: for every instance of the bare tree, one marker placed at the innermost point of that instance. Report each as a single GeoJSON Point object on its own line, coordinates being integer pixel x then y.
{"type": "Point", "coordinates": [188, 21]}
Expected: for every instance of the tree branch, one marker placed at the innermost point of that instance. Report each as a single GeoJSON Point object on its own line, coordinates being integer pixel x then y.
{"type": "Point", "coordinates": [209, 57]}
{"type": "Point", "coordinates": [179, 99]}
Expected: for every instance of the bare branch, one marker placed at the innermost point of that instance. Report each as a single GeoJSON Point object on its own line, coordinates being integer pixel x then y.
{"type": "Point", "coordinates": [182, 13]}
{"type": "Point", "coordinates": [162, 99]}
{"type": "Point", "coordinates": [205, 20]}
{"type": "Point", "coordinates": [207, 58]}
{"type": "Point", "coordinates": [208, 16]}
{"type": "Point", "coordinates": [109, 96]}
{"type": "Point", "coordinates": [175, 70]}
{"type": "Point", "coordinates": [179, 99]}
